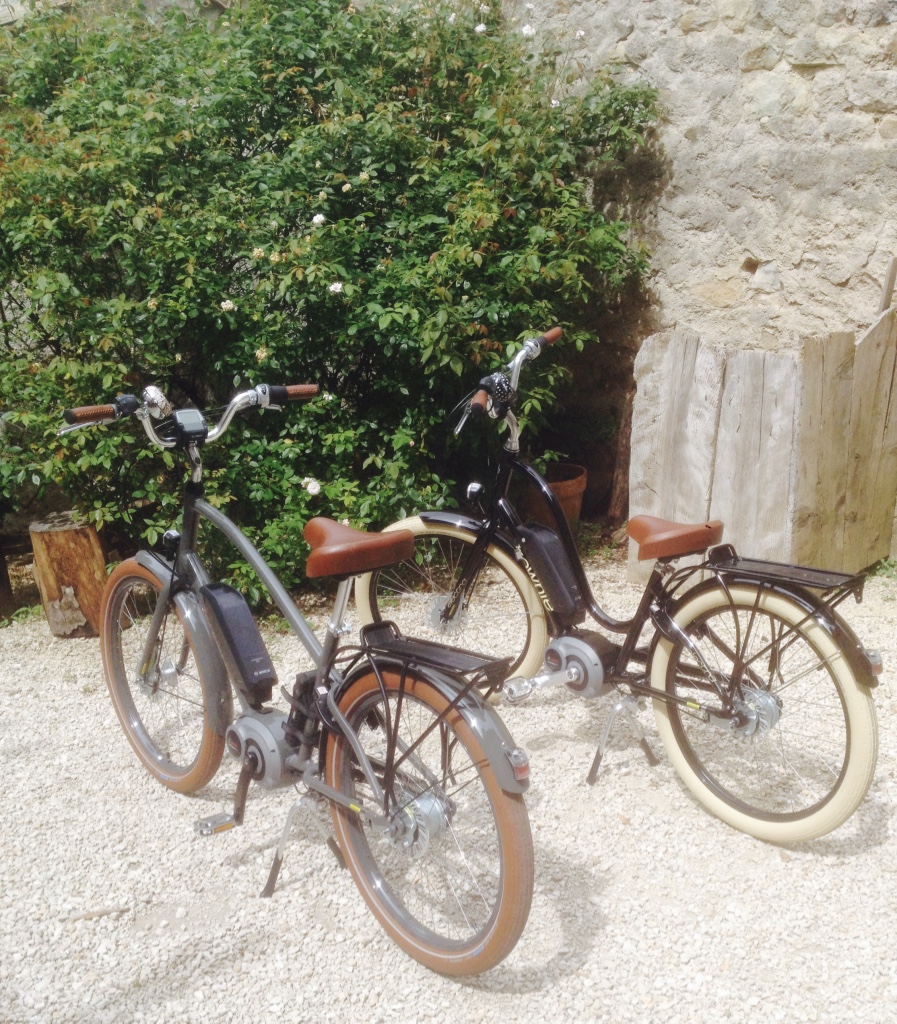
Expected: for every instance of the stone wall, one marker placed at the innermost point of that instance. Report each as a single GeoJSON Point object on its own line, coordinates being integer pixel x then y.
{"type": "Point", "coordinates": [773, 214]}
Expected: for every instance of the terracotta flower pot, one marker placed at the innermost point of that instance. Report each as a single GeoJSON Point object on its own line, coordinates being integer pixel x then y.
{"type": "Point", "coordinates": [568, 482]}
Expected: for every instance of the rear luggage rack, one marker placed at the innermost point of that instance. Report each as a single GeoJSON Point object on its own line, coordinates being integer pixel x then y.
{"type": "Point", "coordinates": [385, 638]}
{"type": "Point", "coordinates": [724, 559]}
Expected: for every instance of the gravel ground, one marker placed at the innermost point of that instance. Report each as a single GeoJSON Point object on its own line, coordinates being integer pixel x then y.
{"type": "Point", "coordinates": [645, 908]}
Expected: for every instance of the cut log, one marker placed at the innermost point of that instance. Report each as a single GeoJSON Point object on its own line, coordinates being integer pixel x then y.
{"type": "Point", "coordinates": [70, 571]}
{"type": "Point", "coordinates": [7, 603]}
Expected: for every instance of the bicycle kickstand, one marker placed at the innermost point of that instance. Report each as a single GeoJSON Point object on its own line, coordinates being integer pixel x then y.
{"type": "Point", "coordinates": [308, 801]}
{"type": "Point", "coordinates": [628, 705]}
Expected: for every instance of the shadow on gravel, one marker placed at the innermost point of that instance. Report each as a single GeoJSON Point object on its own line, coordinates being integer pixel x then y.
{"type": "Point", "coordinates": [867, 828]}
{"type": "Point", "coordinates": [572, 921]}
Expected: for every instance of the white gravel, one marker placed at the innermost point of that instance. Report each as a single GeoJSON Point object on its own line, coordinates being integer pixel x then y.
{"type": "Point", "coordinates": [645, 909]}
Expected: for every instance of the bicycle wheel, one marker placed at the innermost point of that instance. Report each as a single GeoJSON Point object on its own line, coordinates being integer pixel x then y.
{"type": "Point", "coordinates": [503, 617]}
{"type": "Point", "coordinates": [801, 755]}
{"type": "Point", "coordinates": [164, 714]}
{"type": "Point", "coordinates": [453, 886]}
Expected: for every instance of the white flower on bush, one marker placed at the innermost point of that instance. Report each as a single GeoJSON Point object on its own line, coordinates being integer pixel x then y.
{"type": "Point", "coordinates": [345, 522]}
{"type": "Point", "coordinates": [152, 303]}
{"type": "Point", "coordinates": [322, 195]}
{"type": "Point", "coordinates": [452, 17]}
{"type": "Point", "coordinates": [347, 187]}
{"type": "Point", "coordinates": [364, 176]}
{"type": "Point", "coordinates": [228, 306]}
{"type": "Point", "coordinates": [261, 354]}
{"type": "Point", "coordinates": [275, 257]}
{"type": "Point", "coordinates": [318, 219]}
{"type": "Point", "coordinates": [311, 485]}
{"type": "Point", "coordinates": [480, 28]}
{"type": "Point", "coordinates": [258, 254]}
{"type": "Point", "coordinates": [528, 30]}
{"type": "Point", "coordinates": [336, 287]}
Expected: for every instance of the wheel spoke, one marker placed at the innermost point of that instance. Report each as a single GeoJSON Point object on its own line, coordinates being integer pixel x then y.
{"type": "Point", "coordinates": [494, 615]}
{"type": "Point", "coordinates": [785, 750]}
{"type": "Point", "coordinates": [441, 877]}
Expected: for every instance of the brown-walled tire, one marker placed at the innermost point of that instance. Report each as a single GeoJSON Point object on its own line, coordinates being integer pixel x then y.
{"type": "Point", "coordinates": [164, 716]}
{"type": "Point", "coordinates": [457, 897]}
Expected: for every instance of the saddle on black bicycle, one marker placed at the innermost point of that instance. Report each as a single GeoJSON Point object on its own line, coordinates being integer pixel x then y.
{"type": "Point", "coordinates": [662, 538]}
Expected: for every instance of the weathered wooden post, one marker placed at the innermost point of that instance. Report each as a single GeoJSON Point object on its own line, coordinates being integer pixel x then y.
{"type": "Point", "coordinates": [796, 451]}
{"type": "Point", "coordinates": [70, 571]}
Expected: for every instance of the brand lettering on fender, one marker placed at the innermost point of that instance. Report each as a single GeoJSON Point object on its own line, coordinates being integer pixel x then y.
{"type": "Point", "coordinates": [540, 590]}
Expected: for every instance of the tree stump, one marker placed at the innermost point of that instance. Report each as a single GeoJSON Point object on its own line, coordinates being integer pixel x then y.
{"type": "Point", "coordinates": [7, 604]}
{"type": "Point", "coordinates": [70, 571]}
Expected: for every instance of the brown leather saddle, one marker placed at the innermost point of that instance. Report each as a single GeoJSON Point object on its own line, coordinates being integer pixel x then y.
{"type": "Point", "coordinates": [662, 538]}
{"type": "Point", "coordinates": [342, 551]}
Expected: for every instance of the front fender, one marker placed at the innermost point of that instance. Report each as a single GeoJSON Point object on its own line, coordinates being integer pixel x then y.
{"type": "Point", "coordinates": [216, 691]}
{"type": "Point", "coordinates": [461, 522]}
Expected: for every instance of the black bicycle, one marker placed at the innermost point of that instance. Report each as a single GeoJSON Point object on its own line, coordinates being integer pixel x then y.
{"type": "Point", "coordinates": [762, 693]}
{"type": "Point", "coordinates": [423, 779]}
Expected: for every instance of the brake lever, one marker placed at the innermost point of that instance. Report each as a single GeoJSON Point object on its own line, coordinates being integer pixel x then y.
{"type": "Point", "coordinates": [464, 418]}
{"type": "Point", "coordinates": [465, 404]}
{"type": "Point", "coordinates": [79, 426]}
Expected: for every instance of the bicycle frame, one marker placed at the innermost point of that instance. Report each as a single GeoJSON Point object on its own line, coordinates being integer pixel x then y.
{"type": "Point", "coordinates": [502, 524]}
{"type": "Point", "coordinates": [188, 573]}
{"type": "Point", "coordinates": [388, 732]}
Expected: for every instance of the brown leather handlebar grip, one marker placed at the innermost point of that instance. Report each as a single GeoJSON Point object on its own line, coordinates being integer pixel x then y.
{"type": "Point", "coordinates": [296, 392]}
{"type": "Point", "coordinates": [479, 402]}
{"type": "Point", "coordinates": [89, 413]}
{"type": "Point", "coordinates": [550, 337]}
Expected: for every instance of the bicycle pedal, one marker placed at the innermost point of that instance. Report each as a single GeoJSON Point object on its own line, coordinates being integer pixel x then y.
{"type": "Point", "coordinates": [214, 824]}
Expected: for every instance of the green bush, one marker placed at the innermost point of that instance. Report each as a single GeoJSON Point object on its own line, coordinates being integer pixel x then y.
{"type": "Point", "coordinates": [383, 201]}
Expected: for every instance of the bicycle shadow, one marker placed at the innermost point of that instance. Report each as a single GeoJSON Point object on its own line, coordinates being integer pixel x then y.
{"type": "Point", "coordinates": [566, 898]}
{"type": "Point", "coordinates": [868, 827]}
{"type": "Point", "coordinates": [566, 907]}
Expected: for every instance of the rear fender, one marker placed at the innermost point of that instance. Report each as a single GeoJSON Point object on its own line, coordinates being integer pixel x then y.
{"type": "Point", "coordinates": [483, 721]}
{"type": "Point", "coordinates": [812, 605]}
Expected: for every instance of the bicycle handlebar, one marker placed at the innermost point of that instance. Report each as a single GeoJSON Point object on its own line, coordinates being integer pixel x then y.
{"type": "Point", "coordinates": [479, 403]}
{"type": "Point", "coordinates": [292, 392]}
{"type": "Point", "coordinates": [263, 395]}
{"type": "Point", "coordinates": [501, 387]}
{"type": "Point", "coordinates": [85, 415]}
